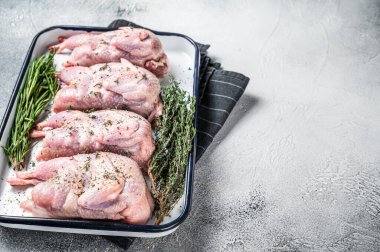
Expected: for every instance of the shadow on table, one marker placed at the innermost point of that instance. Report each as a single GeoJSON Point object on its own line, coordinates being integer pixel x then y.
{"type": "Point", "coordinates": [202, 222]}
{"type": "Point", "coordinates": [28, 240]}
{"type": "Point", "coordinates": [246, 103]}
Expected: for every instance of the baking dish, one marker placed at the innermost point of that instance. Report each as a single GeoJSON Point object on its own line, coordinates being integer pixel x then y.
{"type": "Point", "coordinates": [184, 58]}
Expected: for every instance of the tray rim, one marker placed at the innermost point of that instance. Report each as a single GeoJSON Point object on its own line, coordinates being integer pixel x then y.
{"type": "Point", "coordinates": [101, 225]}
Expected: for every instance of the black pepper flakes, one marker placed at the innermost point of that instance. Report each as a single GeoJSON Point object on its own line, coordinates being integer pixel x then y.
{"type": "Point", "coordinates": [107, 123]}
{"type": "Point", "coordinates": [103, 67]}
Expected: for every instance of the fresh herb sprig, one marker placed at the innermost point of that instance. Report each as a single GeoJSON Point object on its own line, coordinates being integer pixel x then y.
{"type": "Point", "coordinates": [175, 132]}
{"type": "Point", "coordinates": [39, 88]}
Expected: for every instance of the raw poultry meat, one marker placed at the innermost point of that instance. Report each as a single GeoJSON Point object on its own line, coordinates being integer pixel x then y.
{"type": "Point", "coordinates": [73, 132]}
{"type": "Point", "coordinates": [110, 85]}
{"type": "Point", "coordinates": [139, 46]}
{"type": "Point", "coordinates": [90, 186]}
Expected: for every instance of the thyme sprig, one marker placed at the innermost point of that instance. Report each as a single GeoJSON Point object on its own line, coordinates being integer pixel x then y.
{"type": "Point", "coordinates": [39, 88]}
{"type": "Point", "coordinates": [175, 132]}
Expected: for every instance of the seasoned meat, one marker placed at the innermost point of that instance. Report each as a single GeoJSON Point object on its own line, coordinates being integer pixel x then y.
{"type": "Point", "coordinates": [73, 132]}
{"type": "Point", "coordinates": [106, 86]}
{"type": "Point", "coordinates": [139, 46]}
{"type": "Point", "coordinates": [89, 186]}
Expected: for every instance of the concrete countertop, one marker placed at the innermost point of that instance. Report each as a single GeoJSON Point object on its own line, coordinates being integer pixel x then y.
{"type": "Point", "coordinates": [297, 165]}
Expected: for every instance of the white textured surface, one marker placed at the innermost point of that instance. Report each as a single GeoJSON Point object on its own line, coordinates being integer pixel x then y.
{"type": "Point", "coordinates": [297, 165]}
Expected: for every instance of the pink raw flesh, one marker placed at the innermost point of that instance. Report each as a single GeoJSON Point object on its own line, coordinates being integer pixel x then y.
{"type": "Point", "coordinates": [89, 186]}
{"type": "Point", "coordinates": [106, 86]}
{"type": "Point", "coordinates": [73, 132]}
{"type": "Point", "coordinates": [139, 46]}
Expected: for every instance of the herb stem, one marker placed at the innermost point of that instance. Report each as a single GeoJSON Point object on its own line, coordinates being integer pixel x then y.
{"type": "Point", "coordinates": [39, 88]}
{"type": "Point", "coordinates": [175, 132]}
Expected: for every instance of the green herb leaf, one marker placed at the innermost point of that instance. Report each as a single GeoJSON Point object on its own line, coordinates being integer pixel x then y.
{"type": "Point", "coordinates": [175, 132]}
{"type": "Point", "coordinates": [39, 88]}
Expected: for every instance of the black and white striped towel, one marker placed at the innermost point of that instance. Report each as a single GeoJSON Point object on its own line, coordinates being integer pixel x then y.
{"type": "Point", "coordinates": [219, 92]}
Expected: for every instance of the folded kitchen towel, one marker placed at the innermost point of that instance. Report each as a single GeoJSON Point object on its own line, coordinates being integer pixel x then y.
{"type": "Point", "coordinates": [219, 90]}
